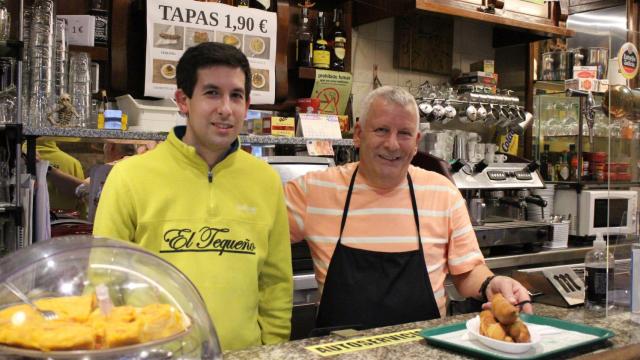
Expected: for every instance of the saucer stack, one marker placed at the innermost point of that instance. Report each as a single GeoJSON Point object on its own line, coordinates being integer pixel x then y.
{"type": "Point", "coordinates": [534, 213]}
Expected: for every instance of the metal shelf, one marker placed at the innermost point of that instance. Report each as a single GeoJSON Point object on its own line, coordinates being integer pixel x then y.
{"type": "Point", "coordinates": [548, 85]}
{"type": "Point", "coordinates": [146, 135]}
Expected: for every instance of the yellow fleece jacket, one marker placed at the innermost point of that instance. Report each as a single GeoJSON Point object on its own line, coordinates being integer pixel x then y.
{"type": "Point", "coordinates": [227, 232]}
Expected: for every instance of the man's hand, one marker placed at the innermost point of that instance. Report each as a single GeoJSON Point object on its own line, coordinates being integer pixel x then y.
{"type": "Point", "coordinates": [512, 290]}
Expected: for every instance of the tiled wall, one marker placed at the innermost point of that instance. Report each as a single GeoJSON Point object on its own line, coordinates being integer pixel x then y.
{"type": "Point", "coordinates": [373, 44]}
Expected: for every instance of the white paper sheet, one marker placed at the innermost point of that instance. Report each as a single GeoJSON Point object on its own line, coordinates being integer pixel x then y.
{"type": "Point", "coordinates": [173, 27]}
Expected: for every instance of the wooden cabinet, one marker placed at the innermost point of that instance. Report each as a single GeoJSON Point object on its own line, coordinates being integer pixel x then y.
{"type": "Point", "coordinates": [530, 21]}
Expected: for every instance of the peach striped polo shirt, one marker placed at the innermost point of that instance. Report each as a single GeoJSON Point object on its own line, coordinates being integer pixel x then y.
{"type": "Point", "coordinates": [382, 220]}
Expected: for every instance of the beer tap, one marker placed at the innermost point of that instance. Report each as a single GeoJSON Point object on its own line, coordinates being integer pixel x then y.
{"type": "Point", "coordinates": [536, 200]}
{"type": "Point", "coordinates": [588, 109]}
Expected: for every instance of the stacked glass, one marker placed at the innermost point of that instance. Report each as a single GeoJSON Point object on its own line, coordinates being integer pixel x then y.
{"type": "Point", "coordinates": [80, 87]}
{"type": "Point", "coordinates": [62, 58]}
{"type": "Point", "coordinates": [26, 69]}
{"type": "Point", "coordinates": [8, 91]}
{"type": "Point", "coordinates": [5, 21]}
{"type": "Point", "coordinates": [42, 62]}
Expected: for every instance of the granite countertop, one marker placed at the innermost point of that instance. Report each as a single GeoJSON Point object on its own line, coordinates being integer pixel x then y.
{"type": "Point", "coordinates": [618, 321]}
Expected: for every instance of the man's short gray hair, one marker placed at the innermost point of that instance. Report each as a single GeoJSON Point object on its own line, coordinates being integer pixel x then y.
{"type": "Point", "coordinates": [394, 94]}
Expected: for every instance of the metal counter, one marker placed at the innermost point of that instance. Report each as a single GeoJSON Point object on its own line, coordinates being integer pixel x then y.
{"type": "Point", "coordinates": [569, 255]}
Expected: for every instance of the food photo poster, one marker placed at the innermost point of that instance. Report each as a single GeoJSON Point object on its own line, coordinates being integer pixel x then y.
{"type": "Point", "coordinates": [173, 27]}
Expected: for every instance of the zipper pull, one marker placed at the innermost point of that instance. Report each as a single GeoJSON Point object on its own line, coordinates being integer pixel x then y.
{"type": "Point", "coordinates": [210, 176]}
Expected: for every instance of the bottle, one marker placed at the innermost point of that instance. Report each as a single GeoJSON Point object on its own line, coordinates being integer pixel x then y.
{"type": "Point", "coordinates": [562, 168]}
{"type": "Point", "coordinates": [321, 54]}
{"type": "Point", "coordinates": [266, 5]}
{"type": "Point", "coordinates": [598, 275]}
{"type": "Point", "coordinates": [304, 42]}
{"type": "Point", "coordinates": [544, 163]}
{"type": "Point", "coordinates": [102, 108]}
{"type": "Point", "coordinates": [574, 173]}
{"type": "Point", "coordinates": [586, 168]}
{"type": "Point", "coordinates": [100, 10]}
{"type": "Point", "coordinates": [339, 41]}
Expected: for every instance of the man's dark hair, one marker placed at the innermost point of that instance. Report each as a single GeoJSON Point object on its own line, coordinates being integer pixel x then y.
{"type": "Point", "coordinates": [209, 54]}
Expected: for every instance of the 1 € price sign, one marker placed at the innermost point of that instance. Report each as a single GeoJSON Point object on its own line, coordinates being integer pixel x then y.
{"type": "Point", "coordinates": [80, 29]}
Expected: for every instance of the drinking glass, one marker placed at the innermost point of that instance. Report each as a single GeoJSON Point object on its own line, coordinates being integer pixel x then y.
{"type": "Point", "coordinates": [80, 87]}
{"type": "Point", "coordinates": [62, 53]}
{"type": "Point", "coordinates": [41, 62]}
{"type": "Point", "coordinates": [8, 91]}
{"type": "Point", "coordinates": [5, 21]}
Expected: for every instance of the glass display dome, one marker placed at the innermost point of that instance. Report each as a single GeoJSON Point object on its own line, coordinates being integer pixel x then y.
{"type": "Point", "coordinates": [137, 306]}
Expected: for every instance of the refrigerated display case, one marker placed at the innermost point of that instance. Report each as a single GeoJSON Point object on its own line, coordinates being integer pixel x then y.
{"type": "Point", "coordinates": [90, 283]}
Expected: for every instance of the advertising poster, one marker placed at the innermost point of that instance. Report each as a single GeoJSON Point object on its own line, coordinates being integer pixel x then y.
{"type": "Point", "coordinates": [333, 89]}
{"type": "Point", "coordinates": [174, 26]}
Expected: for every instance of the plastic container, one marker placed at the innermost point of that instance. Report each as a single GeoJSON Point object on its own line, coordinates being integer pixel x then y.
{"type": "Point", "coordinates": [598, 275]}
{"type": "Point", "coordinates": [150, 115]}
{"type": "Point", "coordinates": [79, 265]}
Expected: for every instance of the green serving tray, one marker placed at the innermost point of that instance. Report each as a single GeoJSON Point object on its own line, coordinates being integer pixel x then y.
{"type": "Point", "coordinates": [602, 335]}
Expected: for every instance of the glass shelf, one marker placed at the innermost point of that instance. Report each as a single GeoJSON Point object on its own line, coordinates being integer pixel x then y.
{"type": "Point", "coordinates": [146, 135]}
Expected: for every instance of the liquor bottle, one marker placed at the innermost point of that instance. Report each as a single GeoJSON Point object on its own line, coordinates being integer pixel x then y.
{"type": "Point", "coordinates": [100, 10]}
{"type": "Point", "coordinates": [598, 273]}
{"type": "Point", "coordinates": [267, 5]}
{"type": "Point", "coordinates": [544, 163]}
{"type": "Point", "coordinates": [574, 172]}
{"type": "Point", "coordinates": [321, 53]}
{"type": "Point", "coordinates": [562, 168]}
{"type": "Point", "coordinates": [339, 42]}
{"type": "Point", "coordinates": [304, 42]}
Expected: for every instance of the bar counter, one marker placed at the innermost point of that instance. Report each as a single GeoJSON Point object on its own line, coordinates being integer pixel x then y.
{"type": "Point", "coordinates": [618, 321]}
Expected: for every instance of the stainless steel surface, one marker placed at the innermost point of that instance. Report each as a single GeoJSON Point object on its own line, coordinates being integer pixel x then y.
{"type": "Point", "coordinates": [499, 176]}
{"type": "Point", "coordinates": [521, 234]}
{"type": "Point", "coordinates": [509, 225]}
{"type": "Point", "coordinates": [555, 256]}
{"type": "Point", "coordinates": [304, 281]}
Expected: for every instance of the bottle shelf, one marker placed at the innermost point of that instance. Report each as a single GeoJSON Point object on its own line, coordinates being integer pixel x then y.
{"type": "Point", "coordinates": [309, 73]}
{"type": "Point", "coordinates": [548, 85]}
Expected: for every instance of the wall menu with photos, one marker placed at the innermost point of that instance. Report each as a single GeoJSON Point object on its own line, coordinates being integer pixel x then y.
{"type": "Point", "coordinates": [173, 27]}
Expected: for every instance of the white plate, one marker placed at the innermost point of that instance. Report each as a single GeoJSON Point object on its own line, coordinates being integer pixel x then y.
{"type": "Point", "coordinates": [168, 71]}
{"type": "Point", "coordinates": [257, 46]}
{"type": "Point", "coordinates": [232, 40]}
{"type": "Point", "coordinates": [473, 326]}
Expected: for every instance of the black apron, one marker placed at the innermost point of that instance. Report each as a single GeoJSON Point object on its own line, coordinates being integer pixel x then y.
{"type": "Point", "coordinates": [365, 289]}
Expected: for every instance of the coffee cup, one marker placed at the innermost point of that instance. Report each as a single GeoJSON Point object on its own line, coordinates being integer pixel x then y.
{"type": "Point", "coordinates": [500, 158]}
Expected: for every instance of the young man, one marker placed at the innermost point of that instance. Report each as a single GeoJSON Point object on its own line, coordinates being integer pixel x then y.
{"type": "Point", "coordinates": [209, 208]}
{"type": "Point", "coordinates": [383, 234]}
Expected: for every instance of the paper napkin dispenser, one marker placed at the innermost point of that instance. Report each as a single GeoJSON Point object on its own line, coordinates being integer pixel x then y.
{"type": "Point", "coordinates": [558, 286]}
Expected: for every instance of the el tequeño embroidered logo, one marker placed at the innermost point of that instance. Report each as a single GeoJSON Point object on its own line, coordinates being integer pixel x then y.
{"type": "Point", "coordinates": [206, 239]}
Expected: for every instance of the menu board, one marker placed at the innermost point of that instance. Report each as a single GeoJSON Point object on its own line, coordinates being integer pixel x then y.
{"type": "Point", "coordinates": [173, 27]}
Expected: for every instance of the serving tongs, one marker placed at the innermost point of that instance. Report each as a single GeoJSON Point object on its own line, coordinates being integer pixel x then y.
{"type": "Point", "coordinates": [47, 314]}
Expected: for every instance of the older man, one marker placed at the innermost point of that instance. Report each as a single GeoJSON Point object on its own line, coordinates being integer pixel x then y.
{"type": "Point", "coordinates": [384, 234]}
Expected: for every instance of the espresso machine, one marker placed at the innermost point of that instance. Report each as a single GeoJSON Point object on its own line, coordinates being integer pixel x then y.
{"type": "Point", "coordinates": [501, 205]}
